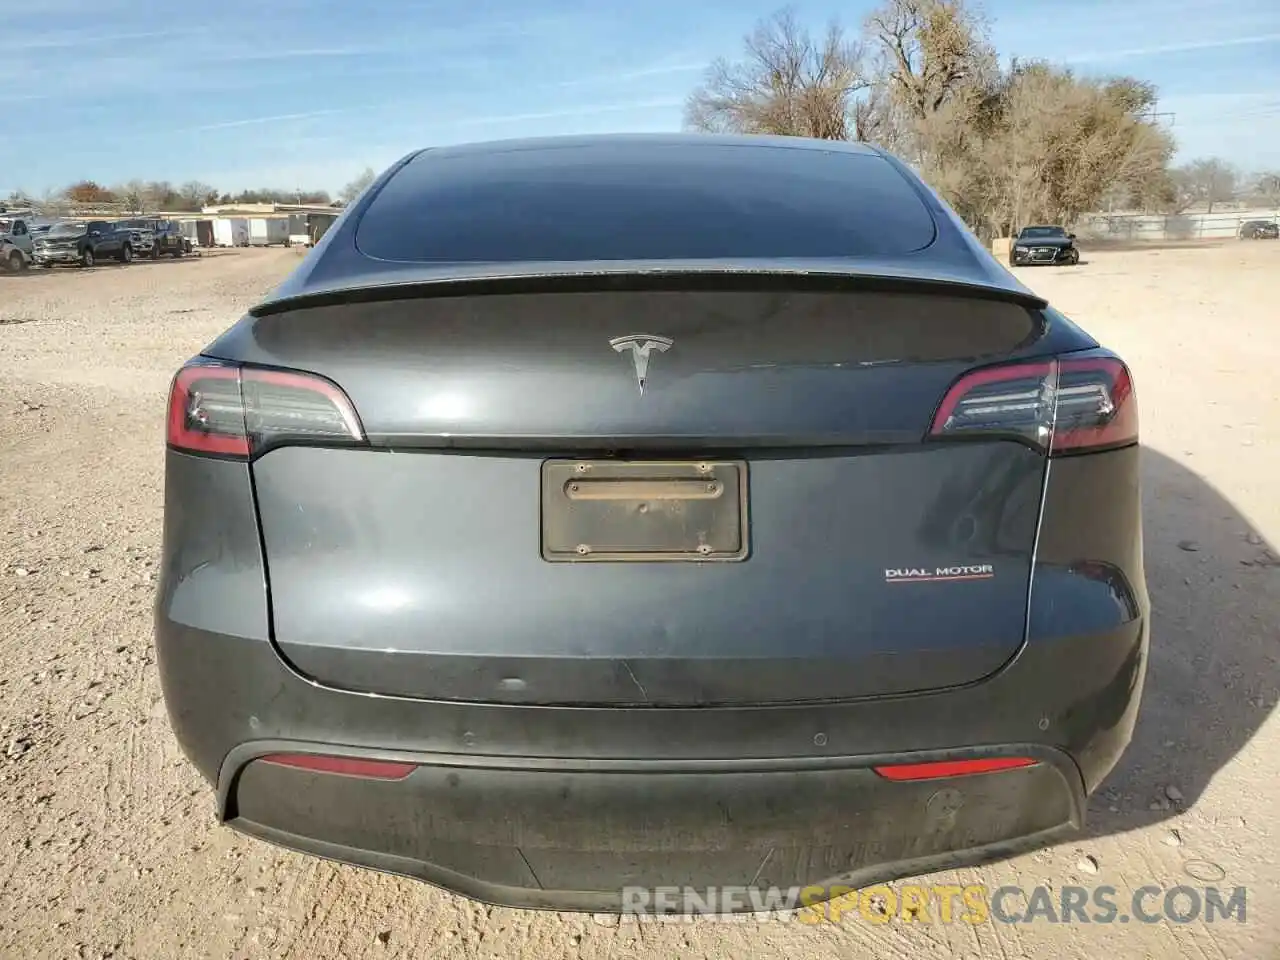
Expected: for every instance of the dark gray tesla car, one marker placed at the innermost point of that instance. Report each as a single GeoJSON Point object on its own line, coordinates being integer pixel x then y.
{"type": "Point", "coordinates": [595, 514]}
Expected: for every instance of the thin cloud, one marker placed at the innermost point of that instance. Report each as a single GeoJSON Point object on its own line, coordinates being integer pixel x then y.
{"type": "Point", "coordinates": [590, 111]}
{"type": "Point", "coordinates": [71, 41]}
{"type": "Point", "coordinates": [256, 121]}
{"type": "Point", "coordinates": [657, 70]}
{"type": "Point", "coordinates": [1173, 48]}
{"type": "Point", "coordinates": [1215, 102]}
{"type": "Point", "coordinates": [663, 71]}
{"type": "Point", "coordinates": [439, 38]}
{"type": "Point", "coordinates": [298, 54]}
{"type": "Point", "coordinates": [18, 12]}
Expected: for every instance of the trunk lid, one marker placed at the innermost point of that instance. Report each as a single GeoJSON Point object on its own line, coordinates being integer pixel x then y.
{"type": "Point", "coordinates": [438, 561]}
{"type": "Point", "coordinates": [761, 366]}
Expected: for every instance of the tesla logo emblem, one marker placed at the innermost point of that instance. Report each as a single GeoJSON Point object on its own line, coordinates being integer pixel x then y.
{"type": "Point", "coordinates": [641, 346]}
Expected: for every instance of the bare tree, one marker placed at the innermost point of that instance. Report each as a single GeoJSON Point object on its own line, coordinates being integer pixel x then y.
{"type": "Point", "coordinates": [787, 83]}
{"type": "Point", "coordinates": [1004, 147]}
{"type": "Point", "coordinates": [195, 194]}
{"type": "Point", "coordinates": [1037, 143]}
{"type": "Point", "coordinates": [932, 65]}
{"type": "Point", "coordinates": [1142, 175]}
{"type": "Point", "coordinates": [53, 202]}
{"type": "Point", "coordinates": [1264, 188]}
{"type": "Point", "coordinates": [1206, 181]}
{"type": "Point", "coordinates": [931, 50]}
{"type": "Point", "coordinates": [159, 195]}
{"type": "Point", "coordinates": [130, 195]}
{"type": "Point", "coordinates": [358, 185]}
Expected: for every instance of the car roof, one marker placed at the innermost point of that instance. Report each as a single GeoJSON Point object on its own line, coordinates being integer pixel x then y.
{"type": "Point", "coordinates": [640, 141]}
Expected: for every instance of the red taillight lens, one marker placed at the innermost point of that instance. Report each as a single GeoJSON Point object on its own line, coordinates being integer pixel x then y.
{"type": "Point", "coordinates": [232, 411]}
{"type": "Point", "coordinates": [345, 766]}
{"type": "Point", "coordinates": [1097, 406]}
{"type": "Point", "coordinates": [1067, 405]}
{"type": "Point", "coordinates": [952, 768]}
{"type": "Point", "coordinates": [206, 414]}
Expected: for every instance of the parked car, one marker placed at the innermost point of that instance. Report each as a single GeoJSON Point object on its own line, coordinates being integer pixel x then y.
{"type": "Point", "coordinates": [165, 235]}
{"type": "Point", "coordinates": [85, 242]}
{"type": "Point", "coordinates": [589, 525]}
{"type": "Point", "coordinates": [1043, 245]}
{"type": "Point", "coordinates": [16, 246]}
{"type": "Point", "coordinates": [1260, 230]}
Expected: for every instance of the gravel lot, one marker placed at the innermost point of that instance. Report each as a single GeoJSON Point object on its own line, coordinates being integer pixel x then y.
{"type": "Point", "coordinates": [107, 841]}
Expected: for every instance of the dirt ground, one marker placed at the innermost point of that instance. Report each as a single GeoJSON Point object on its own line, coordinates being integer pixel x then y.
{"type": "Point", "coordinates": [107, 842]}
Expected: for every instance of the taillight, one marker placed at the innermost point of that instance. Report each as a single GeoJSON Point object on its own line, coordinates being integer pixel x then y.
{"type": "Point", "coordinates": [1097, 406]}
{"type": "Point", "coordinates": [232, 411]}
{"type": "Point", "coordinates": [1065, 405]}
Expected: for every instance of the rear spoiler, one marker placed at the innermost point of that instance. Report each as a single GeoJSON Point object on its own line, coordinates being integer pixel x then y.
{"type": "Point", "coordinates": [383, 280]}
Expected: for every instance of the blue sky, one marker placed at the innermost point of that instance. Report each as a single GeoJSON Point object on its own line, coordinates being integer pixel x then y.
{"type": "Point", "coordinates": [306, 93]}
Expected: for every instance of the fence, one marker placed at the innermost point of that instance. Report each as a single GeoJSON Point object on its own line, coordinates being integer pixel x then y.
{"type": "Point", "coordinates": [1222, 225]}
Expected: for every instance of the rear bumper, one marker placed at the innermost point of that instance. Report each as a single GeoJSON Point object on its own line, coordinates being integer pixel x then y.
{"type": "Point", "coordinates": [576, 836]}
{"type": "Point", "coordinates": [562, 808]}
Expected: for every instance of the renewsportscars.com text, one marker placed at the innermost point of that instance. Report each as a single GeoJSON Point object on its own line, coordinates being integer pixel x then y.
{"type": "Point", "coordinates": [940, 903]}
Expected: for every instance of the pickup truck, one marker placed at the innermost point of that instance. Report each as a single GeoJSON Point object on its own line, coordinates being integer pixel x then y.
{"type": "Point", "coordinates": [15, 244]}
{"type": "Point", "coordinates": [84, 242]}
{"type": "Point", "coordinates": [164, 237]}
{"type": "Point", "coordinates": [142, 239]}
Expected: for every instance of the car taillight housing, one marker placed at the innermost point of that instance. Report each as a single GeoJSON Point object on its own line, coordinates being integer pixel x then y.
{"type": "Point", "coordinates": [227, 410]}
{"type": "Point", "coordinates": [1071, 404]}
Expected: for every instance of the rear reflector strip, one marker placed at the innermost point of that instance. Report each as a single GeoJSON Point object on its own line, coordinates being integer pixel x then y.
{"type": "Point", "coordinates": [952, 768]}
{"type": "Point", "coordinates": [396, 770]}
{"type": "Point", "coordinates": [346, 766]}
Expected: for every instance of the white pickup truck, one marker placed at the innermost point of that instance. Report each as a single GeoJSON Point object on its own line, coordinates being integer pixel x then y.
{"type": "Point", "coordinates": [15, 244]}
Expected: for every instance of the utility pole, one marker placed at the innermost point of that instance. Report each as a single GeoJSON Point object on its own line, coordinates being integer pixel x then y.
{"type": "Point", "coordinates": [1153, 116]}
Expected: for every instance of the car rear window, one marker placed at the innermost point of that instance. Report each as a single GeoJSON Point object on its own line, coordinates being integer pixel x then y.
{"type": "Point", "coordinates": [644, 202]}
